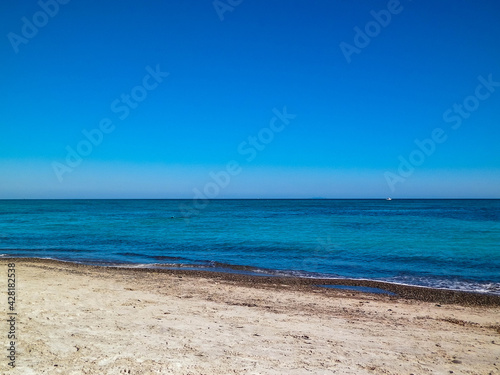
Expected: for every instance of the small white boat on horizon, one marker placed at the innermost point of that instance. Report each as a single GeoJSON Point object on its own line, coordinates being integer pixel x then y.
{"type": "Point", "coordinates": [388, 199]}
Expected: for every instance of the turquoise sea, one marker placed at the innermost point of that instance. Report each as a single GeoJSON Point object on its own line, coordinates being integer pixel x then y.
{"type": "Point", "coordinates": [451, 244]}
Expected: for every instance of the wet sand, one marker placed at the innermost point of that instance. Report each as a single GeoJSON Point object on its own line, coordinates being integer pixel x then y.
{"type": "Point", "coordinates": [77, 319]}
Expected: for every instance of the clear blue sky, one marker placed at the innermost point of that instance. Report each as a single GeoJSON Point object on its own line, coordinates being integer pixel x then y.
{"type": "Point", "coordinates": [356, 118]}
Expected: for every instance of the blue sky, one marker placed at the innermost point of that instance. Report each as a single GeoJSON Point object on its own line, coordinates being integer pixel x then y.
{"type": "Point", "coordinates": [351, 123]}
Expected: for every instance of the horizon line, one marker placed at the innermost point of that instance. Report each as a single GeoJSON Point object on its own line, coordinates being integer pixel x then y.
{"type": "Point", "coordinates": [228, 199]}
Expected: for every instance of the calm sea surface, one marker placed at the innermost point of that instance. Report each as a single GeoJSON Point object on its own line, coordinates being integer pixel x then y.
{"type": "Point", "coordinates": [440, 243]}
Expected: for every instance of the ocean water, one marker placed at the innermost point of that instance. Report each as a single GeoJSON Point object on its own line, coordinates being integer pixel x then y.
{"type": "Point", "coordinates": [451, 244]}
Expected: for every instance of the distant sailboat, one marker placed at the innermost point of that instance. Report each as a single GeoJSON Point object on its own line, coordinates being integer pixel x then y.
{"type": "Point", "coordinates": [388, 199]}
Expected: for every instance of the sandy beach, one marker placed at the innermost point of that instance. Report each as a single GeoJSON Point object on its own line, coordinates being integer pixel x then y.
{"type": "Point", "coordinates": [75, 319]}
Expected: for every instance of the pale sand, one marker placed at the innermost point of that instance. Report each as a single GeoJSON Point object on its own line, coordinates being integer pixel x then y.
{"type": "Point", "coordinates": [90, 320]}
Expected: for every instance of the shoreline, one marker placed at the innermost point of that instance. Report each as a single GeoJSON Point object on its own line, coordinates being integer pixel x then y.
{"type": "Point", "coordinates": [401, 291]}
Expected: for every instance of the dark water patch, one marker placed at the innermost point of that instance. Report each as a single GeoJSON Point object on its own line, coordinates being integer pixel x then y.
{"type": "Point", "coordinates": [76, 251]}
{"type": "Point", "coordinates": [44, 251]}
{"type": "Point", "coordinates": [164, 257]}
{"type": "Point", "coordinates": [131, 255]}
